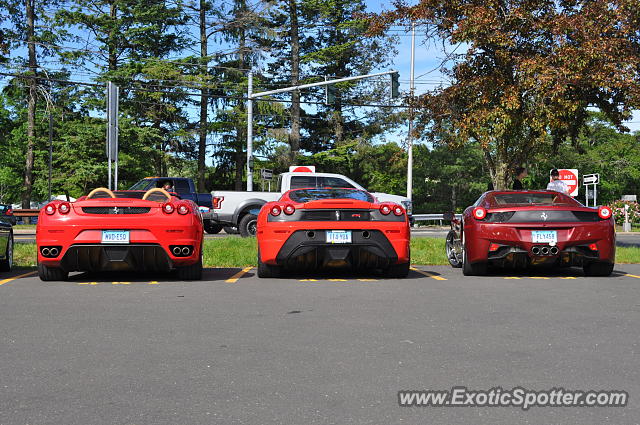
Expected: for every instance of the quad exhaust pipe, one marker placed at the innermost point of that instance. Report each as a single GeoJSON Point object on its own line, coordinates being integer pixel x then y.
{"type": "Point", "coordinates": [50, 251]}
{"type": "Point", "coordinates": [545, 250]}
{"type": "Point", "coordinates": [181, 250]}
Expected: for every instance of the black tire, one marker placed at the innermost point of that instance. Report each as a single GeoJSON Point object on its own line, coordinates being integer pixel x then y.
{"type": "Point", "coordinates": [192, 272]}
{"type": "Point", "coordinates": [398, 270]}
{"type": "Point", "coordinates": [266, 271]}
{"type": "Point", "coordinates": [7, 264]}
{"type": "Point", "coordinates": [48, 274]}
{"type": "Point", "coordinates": [473, 269]}
{"type": "Point", "coordinates": [230, 230]}
{"type": "Point", "coordinates": [599, 268]}
{"type": "Point", "coordinates": [248, 225]}
{"type": "Point", "coordinates": [450, 248]}
{"type": "Point", "coordinates": [211, 227]}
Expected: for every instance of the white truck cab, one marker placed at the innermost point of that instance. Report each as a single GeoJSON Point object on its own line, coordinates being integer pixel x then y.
{"type": "Point", "coordinates": [238, 209]}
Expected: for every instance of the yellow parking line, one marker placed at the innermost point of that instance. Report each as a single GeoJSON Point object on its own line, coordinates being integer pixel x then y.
{"type": "Point", "coordinates": [308, 280]}
{"type": "Point", "coordinates": [235, 277]}
{"type": "Point", "coordinates": [2, 282]}
{"type": "Point", "coordinates": [337, 280]}
{"type": "Point", "coordinates": [568, 277]}
{"type": "Point", "coordinates": [428, 274]}
{"type": "Point", "coordinates": [87, 283]}
{"type": "Point", "coordinates": [153, 282]}
{"type": "Point", "coordinates": [121, 283]}
{"type": "Point", "coordinates": [368, 280]}
{"type": "Point", "coordinates": [630, 275]}
{"type": "Point", "coordinates": [539, 277]}
{"type": "Point", "coordinates": [513, 277]}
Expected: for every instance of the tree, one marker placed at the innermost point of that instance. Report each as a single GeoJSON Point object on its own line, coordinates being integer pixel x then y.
{"type": "Point", "coordinates": [531, 71]}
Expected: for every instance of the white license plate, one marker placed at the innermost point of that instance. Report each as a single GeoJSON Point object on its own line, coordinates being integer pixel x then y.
{"type": "Point", "coordinates": [338, 236]}
{"type": "Point", "coordinates": [544, 236]}
{"type": "Point", "coordinates": [115, 236]}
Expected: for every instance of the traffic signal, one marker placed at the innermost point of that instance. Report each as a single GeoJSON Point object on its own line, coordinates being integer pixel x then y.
{"type": "Point", "coordinates": [395, 85]}
{"type": "Point", "coordinates": [330, 94]}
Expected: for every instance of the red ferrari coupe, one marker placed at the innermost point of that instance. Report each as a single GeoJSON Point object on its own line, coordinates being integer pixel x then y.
{"type": "Point", "coordinates": [331, 227]}
{"type": "Point", "coordinates": [522, 228]}
{"type": "Point", "coordinates": [122, 230]}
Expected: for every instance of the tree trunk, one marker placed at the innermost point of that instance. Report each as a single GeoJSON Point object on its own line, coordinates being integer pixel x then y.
{"type": "Point", "coordinates": [294, 135]}
{"type": "Point", "coordinates": [31, 108]}
{"type": "Point", "coordinates": [202, 130]}
{"type": "Point", "coordinates": [113, 44]}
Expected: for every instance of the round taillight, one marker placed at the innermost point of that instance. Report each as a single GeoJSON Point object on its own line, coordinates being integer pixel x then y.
{"type": "Point", "coordinates": [183, 209]}
{"type": "Point", "coordinates": [275, 210]}
{"type": "Point", "coordinates": [604, 212]}
{"type": "Point", "coordinates": [479, 213]}
{"type": "Point", "coordinates": [397, 210]}
{"type": "Point", "coordinates": [385, 209]}
{"type": "Point", "coordinates": [168, 208]}
{"type": "Point", "coordinates": [64, 208]}
{"type": "Point", "coordinates": [50, 209]}
{"type": "Point", "coordinates": [289, 209]}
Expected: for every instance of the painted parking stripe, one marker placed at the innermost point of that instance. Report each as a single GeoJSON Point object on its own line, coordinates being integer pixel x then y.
{"type": "Point", "coordinates": [632, 275]}
{"type": "Point", "coordinates": [2, 282]}
{"type": "Point", "coordinates": [513, 277]}
{"type": "Point", "coordinates": [235, 277]}
{"type": "Point", "coordinates": [368, 280]}
{"type": "Point", "coordinates": [428, 274]}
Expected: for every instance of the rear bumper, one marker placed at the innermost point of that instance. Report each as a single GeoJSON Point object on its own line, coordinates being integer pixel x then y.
{"type": "Point", "coordinates": [139, 257]}
{"type": "Point", "coordinates": [282, 244]}
{"type": "Point", "coordinates": [81, 248]}
{"type": "Point", "coordinates": [516, 242]}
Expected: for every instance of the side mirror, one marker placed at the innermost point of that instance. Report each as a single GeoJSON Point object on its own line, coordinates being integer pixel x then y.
{"type": "Point", "coordinates": [448, 216]}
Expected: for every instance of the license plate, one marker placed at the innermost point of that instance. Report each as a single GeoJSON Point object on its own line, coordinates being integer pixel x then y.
{"type": "Point", "coordinates": [115, 236]}
{"type": "Point", "coordinates": [338, 236]}
{"type": "Point", "coordinates": [544, 236]}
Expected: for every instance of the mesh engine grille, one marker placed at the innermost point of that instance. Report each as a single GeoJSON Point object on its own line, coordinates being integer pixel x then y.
{"type": "Point", "coordinates": [336, 215]}
{"type": "Point", "coordinates": [115, 210]}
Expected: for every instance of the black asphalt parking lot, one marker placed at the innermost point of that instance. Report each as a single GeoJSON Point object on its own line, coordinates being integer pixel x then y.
{"type": "Point", "coordinates": [235, 349]}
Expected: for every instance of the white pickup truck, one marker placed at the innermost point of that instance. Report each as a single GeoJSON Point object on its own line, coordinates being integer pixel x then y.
{"type": "Point", "coordinates": [240, 209]}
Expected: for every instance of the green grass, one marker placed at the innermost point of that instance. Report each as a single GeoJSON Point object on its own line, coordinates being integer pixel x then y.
{"type": "Point", "coordinates": [241, 252]}
{"type": "Point", "coordinates": [24, 254]}
{"type": "Point", "coordinates": [25, 227]}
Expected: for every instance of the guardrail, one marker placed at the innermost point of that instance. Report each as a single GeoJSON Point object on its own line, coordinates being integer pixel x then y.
{"type": "Point", "coordinates": [431, 217]}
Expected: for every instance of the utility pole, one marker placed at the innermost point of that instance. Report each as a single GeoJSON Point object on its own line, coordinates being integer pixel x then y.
{"type": "Point", "coordinates": [251, 95]}
{"type": "Point", "coordinates": [50, 148]}
{"type": "Point", "coordinates": [411, 94]}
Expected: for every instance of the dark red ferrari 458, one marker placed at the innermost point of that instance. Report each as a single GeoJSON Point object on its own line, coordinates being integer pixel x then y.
{"type": "Point", "coordinates": [312, 228]}
{"type": "Point", "coordinates": [123, 230]}
{"type": "Point", "coordinates": [522, 228]}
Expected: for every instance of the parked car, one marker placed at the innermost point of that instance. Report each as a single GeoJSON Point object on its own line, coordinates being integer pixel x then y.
{"type": "Point", "coordinates": [6, 214]}
{"type": "Point", "coordinates": [186, 189]}
{"type": "Point", "coordinates": [327, 227]}
{"type": "Point", "coordinates": [232, 208]}
{"type": "Point", "coordinates": [6, 246]}
{"type": "Point", "coordinates": [121, 230]}
{"type": "Point", "coordinates": [522, 228]}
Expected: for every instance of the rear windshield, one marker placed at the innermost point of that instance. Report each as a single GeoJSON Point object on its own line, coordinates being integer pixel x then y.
{"type": "Point", "coordinates": [307, 195]}
{"type": "Point", "coordinates": [522, 198]}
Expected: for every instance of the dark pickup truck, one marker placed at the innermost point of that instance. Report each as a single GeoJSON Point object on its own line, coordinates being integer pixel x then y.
{"type": "Point", "coordinates": [186, 189]}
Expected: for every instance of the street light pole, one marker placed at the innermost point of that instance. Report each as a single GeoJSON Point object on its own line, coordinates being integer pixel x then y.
{"type": "Point", "coordinates": [250, 133]}
{"type": "Point", "coordinates": [251, 95]}
{"type": "Point", "coordinates": [410, 136]}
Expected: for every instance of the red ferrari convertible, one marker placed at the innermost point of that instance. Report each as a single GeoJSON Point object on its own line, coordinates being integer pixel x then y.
{"type": "Point", "coordinates": [122, 230]}
{"type": "Point", "coordinates": [522, 228]}
{"type": "Point", "coordinates": [312, 228]}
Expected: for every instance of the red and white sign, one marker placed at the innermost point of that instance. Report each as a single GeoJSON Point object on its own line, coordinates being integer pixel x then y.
{"type": "Point", "coordinates": [302, 169]}
{"type": "Point", "coordinates": [570, 177]}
